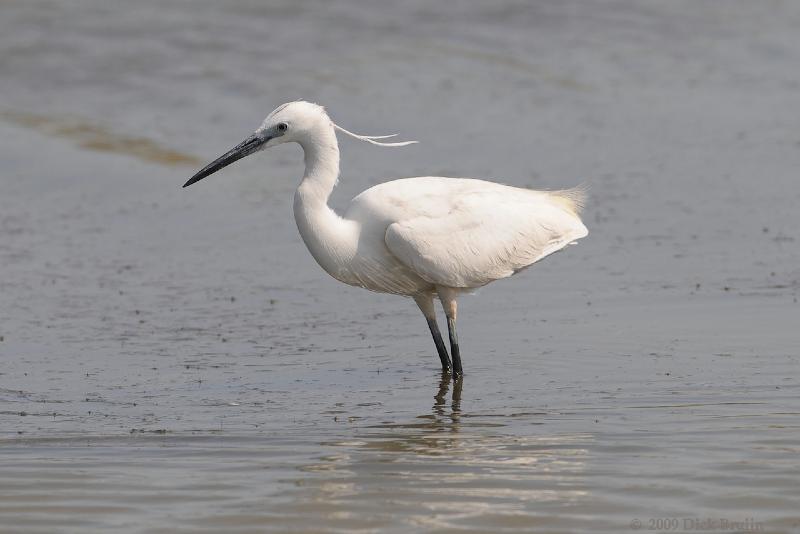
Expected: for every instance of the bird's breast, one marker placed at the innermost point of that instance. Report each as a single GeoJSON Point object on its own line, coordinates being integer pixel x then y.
{"type": "Point", "coordinates": [354, 251]}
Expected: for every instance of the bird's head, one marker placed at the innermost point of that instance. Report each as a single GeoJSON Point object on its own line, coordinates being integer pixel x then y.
{"type": "Point", "coordinates": [297, 122]}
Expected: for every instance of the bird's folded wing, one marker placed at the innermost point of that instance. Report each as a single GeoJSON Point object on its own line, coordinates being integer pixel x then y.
{"type": "Point", "coordinates": [484, 237]}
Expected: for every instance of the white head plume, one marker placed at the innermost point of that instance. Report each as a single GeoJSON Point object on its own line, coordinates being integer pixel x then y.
{"type": "Point", "coordinates": [372, 138]}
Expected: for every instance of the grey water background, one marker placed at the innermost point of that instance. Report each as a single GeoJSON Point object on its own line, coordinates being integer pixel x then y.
{"type": "Point", "coordinates": [174, 360]}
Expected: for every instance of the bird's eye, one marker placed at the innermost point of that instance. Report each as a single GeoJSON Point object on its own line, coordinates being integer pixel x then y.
{"type": "Point", "coordinates": [282, 127]}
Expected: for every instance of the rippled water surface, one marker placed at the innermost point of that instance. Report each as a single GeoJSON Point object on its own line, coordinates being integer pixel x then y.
{"type": "Point", "coordinates": [174, 361]}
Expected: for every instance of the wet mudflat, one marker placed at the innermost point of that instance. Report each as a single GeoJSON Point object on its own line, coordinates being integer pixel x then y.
{"type": "Point", "coordinates": [173, 360]}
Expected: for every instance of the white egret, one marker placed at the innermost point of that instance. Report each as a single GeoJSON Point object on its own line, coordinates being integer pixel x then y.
{"type": "Point", "coordinates": [418, 237]}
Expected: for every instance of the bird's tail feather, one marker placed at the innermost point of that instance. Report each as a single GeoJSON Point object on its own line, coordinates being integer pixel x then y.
{"type": "Point", "coordinates": [573, 199]}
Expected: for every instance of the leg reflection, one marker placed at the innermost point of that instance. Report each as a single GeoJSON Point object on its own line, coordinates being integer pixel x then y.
{"type": "Point", "coordinates": [440, 399]}
{"type": "Point", "coordinates": [457, 385]}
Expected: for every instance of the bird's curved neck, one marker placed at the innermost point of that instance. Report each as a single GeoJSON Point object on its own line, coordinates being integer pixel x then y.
{"type": "Point", "coordinates": [330, 238]}
{"type": "Point", "coordinates": [322, 166]}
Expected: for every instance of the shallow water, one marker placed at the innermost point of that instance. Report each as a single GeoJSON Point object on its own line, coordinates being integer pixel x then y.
{"type": "Point", "coordinates": [173, 360]}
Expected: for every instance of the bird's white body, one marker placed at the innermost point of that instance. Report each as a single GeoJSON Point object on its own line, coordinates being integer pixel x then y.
{"type": "Point", "coordinates": [413, 235]}
{"type": "Point", "coordinates": [417, 237]}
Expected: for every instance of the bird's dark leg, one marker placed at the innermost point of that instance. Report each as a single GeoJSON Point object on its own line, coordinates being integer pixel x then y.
{"type": "Point", "coordinates": [448, 297]}
{"type": "Point", "coordinates": [454, 350]}
{"type": "Point", "coordinates": [439, 342]}
{"type": "Point", "coordinates": [425, 303]}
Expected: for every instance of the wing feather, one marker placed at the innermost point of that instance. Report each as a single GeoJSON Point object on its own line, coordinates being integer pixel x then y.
{"type": "Point", "coordinates": [485, 235]}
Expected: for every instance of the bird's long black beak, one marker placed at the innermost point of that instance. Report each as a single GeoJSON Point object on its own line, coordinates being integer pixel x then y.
{"type": "Point", "coordinates": [245, 148]}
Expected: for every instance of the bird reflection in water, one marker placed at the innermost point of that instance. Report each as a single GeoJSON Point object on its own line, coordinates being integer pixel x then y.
{"type": "Point", "coordinates": [440, 404]}
{"type": "Point", "coordinates": [430, 433]}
